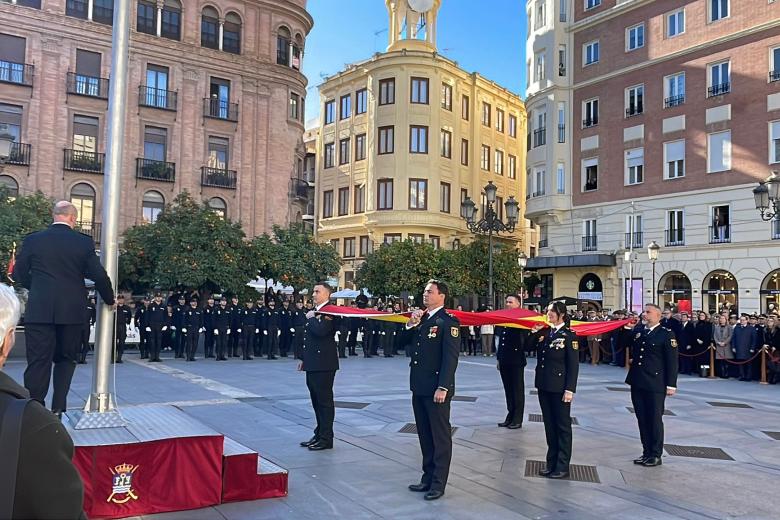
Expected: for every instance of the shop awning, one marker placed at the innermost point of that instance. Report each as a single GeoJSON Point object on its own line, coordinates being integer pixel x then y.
{"type": "Point", "coordinates": [552, 262]}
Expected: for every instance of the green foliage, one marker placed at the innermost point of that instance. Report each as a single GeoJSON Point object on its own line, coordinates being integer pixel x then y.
{"type": "Point", "coordinates": [400, 266]}
{"type": "Point", "coordinates": [19, 217]}
{"type": "Point", "coordinates": [298, 260]}
{"type": "Point", "coordinates": [467, 271]}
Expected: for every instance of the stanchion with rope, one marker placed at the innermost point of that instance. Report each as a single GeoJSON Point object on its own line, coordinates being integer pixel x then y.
{"type": "Point", "coordinates": [712, 363]}
{"type": "Point", "coordinates": [763, 365]}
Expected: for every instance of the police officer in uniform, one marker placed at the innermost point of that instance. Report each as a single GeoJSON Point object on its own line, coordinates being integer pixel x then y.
{"type": "Point", "coordinates": [556, 381]}
{"type": "Point", "coordinates": [178, 323]}
{"type": "Point", "coordinates": [273, 328]}
{"type": "Point", "coordinates": [192, 326]}
{"type": "Point", "coordinates": [298, 324]}
{"type": "Point", "coordinates": [89, 319]}
{"type": "Point", "coordinates": [141, 322]}
{"type": "Point", "coordinates": [221, 322]}
{"type": "Point", "coordinates": [234, 331]}
{"type": "Point", "coordinates": [249, 326]}
{"type": "Point", "coordinates": [155, 318]}
{"type": "Point", "coordinates": [122, 318]}
{"type": "Point", "coordinates": [285, 326]}
{"type": "Point", "coordinates": [434, 338]}
{"type": "Point", "coordinates": [510, 362]}
{"type": "Point", "coordinates": [208, 324]}
{"type": "Point", "coordinates": [652, 376]}
{"type": "Point", "coordinates": [320, 361]}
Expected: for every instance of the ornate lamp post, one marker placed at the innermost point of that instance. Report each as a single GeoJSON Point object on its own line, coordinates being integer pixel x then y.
{"type": "Point", "coordinates": [490, 224]}
{"type": "Point", "coordinates": [652, 253]}
{"type": "Point", "coordinates": [767, 197]}
{"type": "Point", "coordinates": [522, 261]}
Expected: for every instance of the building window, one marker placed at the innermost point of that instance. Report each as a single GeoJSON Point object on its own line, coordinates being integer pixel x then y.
{"type": "Point", "coordinates": [146, 18]}
{"type": "Point", "coordinates": [674, 90]}
{"type": "Point", "coordinates": [543, 236]}
{"type": "Point", "coordinates": [330, 111]}
{"type": "Point", "coordinates": [674, 159]}
{"type": "Point", "coordinates": [360, 198]}
{"type": "Point", "coordinates": [155, 143]}
{"type": "Point", "coordinates": [590, 113]}
{"type": "Point", "coordinates": [387, 91]}
{"type": "Point", "coordinates": [635, 37]}
{"type": "Point", "coordinates": [484, 161]}
{"type": "Point", "coordinates": [562, 60]}
{"type": "Point", "coordinates": [635, 100]}
{"type": "Point", "coordinates": [103, 11]}
{"type": "Point", "coordinates": [346, 107]}
{"type": "Point", "coordinates": [675, 23]}
{"type": "Point", "coordinates": [334, 243]}
{"type": "Point", "coordinates": [435, 241]}
{"type": "Point", "coordinates": [231, 34]}
{"type": "Point", "coordinates": [77, 8]}
{"type": "Point", "coordinates": [349, 247]}
{"type": "Point", "coordinates": [563, 10]}
{"type": "Point", "coordinates": [589, 235]}
{"type": "Point", "coordinates": [464, 152]}
{"type": "Point", "coordinates": [152, 205]}
{"type": "Point", "coordinates": [87, 79]}
{"type": "Point", "coordinates": [720, 228]}
{"type": "Point", "coordinates": [418, 139]}
{"type": "Point", "coordinates": [464, 107]}
{"type": "Point", "coordinates": [417, 238]}
{"type": "Point", "coordinates": [774, 142]}
{"type": "Point", "coordinates": [512, 167]}
{"type": "Point", "coordinates": [446, 96]}
{"type": "Point", "coordinates": [719, 151]}
{"type": "Point", "coordinates": [498, 166]}
{"type": "Point", "coordinates": [295, 106]}
{"type": "Point", "coordinates": [486, 108]}
{"type": "Point", "coordinates": [444, 197]}
{"type": "Point", "coordinates": [418, 194]}
{"type": "Point", "coordinates": [344, 151]}
{"type": "Point", "coordinates": [500, 208]}
{"type": "Point", "coordinates": [590, 53]}
{"type": "Point", "coordinates": [218, 153]}
{"type": "Point", "coordinates": [446, 144]}
{"type": "Point", "coordinates": [590, 4]}
{"type": "Point", "coordinates": [719, 9]}
{"type": "Point", "coordinates": [11, 120]}
{"type": "Point", "coordinates": [82, 195]}
{"type": "Point", "coordinates": [500, 120]}
{"type": "Point", "coordinates": [330, 155]}
{"type": "Point", "coordinates": [219, 99]}
{"type": "Point", "coordinates": [560, 179]}
{"type": "Point", "coordinates": [464, 194]}
{"type": "Point", "coordinates": [635, 166]}
{"type": "Point", "coordinates": [343, 201]}
{"type": "Point", "coordinates": [386, 138]}
{"type": "Point", "coordinates": [365, 246]}
{"type": "Point", "coordinates": [327, 204]}
{"type": "Point", "coordinates": [361, 101]}
{"type": "Point", "coordinates": [590, 173]}
{"type": "Point", "coordinates": [512, 126]}
{"type": "Point", "coordinates": [634, 231]}
{"type": "Point", "coordinates": [218, 206]}
{"type": "Point", "coordinates": [540, 182]}
{"type": "Point", "coordinates": [360, 147]}
{"type": "Point", "coordinates": [171, 20]}
{"type": "Point", "coordinates": [384, 194]}
{"type": "Point", "coordinates": [541, 14]}
{"type": "Point", "coordinates": [85, 136]}
{"type": "Point", "coordinates": [539, 69]}
{"type": "Point", "coordinates": [283, 44]}
{"type": "Point", "coordinates": [561, 122]}
{"type": "Point", "coordinates": [209, 28]}
{"type": "Point", "coordinates": [719, 78]}
{"type": "Point", "coordinates": [419, 94]}
{"type": "Point", "coordinates": [675, 222]}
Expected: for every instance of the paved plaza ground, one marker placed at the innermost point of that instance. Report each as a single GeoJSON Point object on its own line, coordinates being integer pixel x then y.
{"type": "Point", "coordinates": [264, 405]}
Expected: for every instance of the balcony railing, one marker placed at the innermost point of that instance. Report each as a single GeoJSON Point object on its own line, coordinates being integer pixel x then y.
{"type": "Point", "coordinates": [774, 75]}
{"type": "Point", "coordinates": [674, 101]}
{"type": "Point", "coordinates": [590, 243]}
{"type": "Point", "coordinates": [675, 237]}
{"type": "Point", "coordinates": [720, 234]}
{"type": "Point", "coordinates": [152, 170]}
{"type": "Point", "coordinates": [637, 239]}
{"type": "Point", "coordinates": [156, 98]}
{"type": "Point", "coordinates": [218, 178]}
{"type": "Point", "coordinates": [719, 90]}
{"type": "Point", "coordinates": [81, 161]}
{"type": "Point", "coordinates": [587, 123]}
{"type": "Point", "coordinates": [634, 111]}
{"type": "Point", "coordinates": [92, 229]}
{"type": "Point", "coordinates": [776, 230]}
{"type": "Point", "coordinates": [220, 109]}
{"type": "Point", "coordinates": [17, 73]}
{"type": "Point", "coordinates": [90, 86]}
{"type": "Point", "coordinates": [538, 193]}
{"type": "Point", "coordinates": [561, 133]}
{"type": "Point", "coordinates": [540, 137]}
{"type": "Point", "coordinates": [299, 188]}
{"type": "Point", "coordinates": [542, 242]}
{"type": "Point", "coordinates": [20, 154]}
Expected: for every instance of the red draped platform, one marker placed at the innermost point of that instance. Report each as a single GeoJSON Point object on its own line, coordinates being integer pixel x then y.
{"type": "Point", "coordinates": [164, 460]}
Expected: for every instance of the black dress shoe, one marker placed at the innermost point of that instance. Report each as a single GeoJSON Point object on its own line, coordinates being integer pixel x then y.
{"type": "Point", "coordinates": [546, 472]}
{"type": "Point", "coordinates": [514, 426]}
{"type": "Point", "coordinates": [558, 475]}
{"type": "Point", "coordinates": [308, 443]}
{"type": "Point", "coordinates": [434, 494]}
{"type": "Point", "coordinates": [420, 488]}
{"type": "Point", "coordinates": [320, 445]}
{"type": "Point", "coordinates": [640, 460]}
{"type": "Point", "coordinates": [651, 462]}
{"type": "Point", "coordinates": [503, 424]}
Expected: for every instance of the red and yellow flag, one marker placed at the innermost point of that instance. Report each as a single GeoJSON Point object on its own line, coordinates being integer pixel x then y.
{"type": "Point", "coordinates": [11, 263]}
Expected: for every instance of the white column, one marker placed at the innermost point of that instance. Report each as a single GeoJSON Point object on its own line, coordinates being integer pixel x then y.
{"type": "Point", "coordinates": [159, 17]}
{"type": "Point", "coordinates": [221, 31]}
{"type": "Point", "coordinates": [89, 10]}
{"type": "Point", "coordinates": [290, 53]}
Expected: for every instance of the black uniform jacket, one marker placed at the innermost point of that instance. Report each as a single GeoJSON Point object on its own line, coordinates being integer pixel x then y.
{"type": "Point", "coordinates": [511, 346]}
{"type": "Point", "coordinates": [319, 352]}
{"type": "Point", "coordinates": [434, 348]}
{"type": "Point", "coordinates": [156, 315]}
{"type": "Point", "coordinates": [557, 363]}
{"type": "Point", "coordinates": [220, 319]}
{"type": "Point", "coordinates": [193, 320]}
{"type": "Point", "coordinates": [47, 483]}
{"type": "Point", "coordinates": [654, 360]}
{"type": "Point", "coordinates": [52, 264]}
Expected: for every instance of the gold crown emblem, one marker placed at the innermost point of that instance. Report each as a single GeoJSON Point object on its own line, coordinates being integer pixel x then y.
{"type": "Point", "coordinates": [124, 468]}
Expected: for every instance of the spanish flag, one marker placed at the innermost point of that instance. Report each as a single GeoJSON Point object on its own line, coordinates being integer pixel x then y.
{"type": "Point", "coordinates": [11, 263]}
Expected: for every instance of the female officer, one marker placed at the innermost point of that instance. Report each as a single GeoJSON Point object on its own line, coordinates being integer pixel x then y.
{"type": "Point", "coordinates": [556, 381]}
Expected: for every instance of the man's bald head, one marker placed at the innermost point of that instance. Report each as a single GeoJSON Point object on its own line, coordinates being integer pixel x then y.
{"type": "Point", "coordinates": [65, 212]}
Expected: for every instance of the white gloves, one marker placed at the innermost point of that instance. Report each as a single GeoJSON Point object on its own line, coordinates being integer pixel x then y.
{"type": "Point", "coordinates": [202, 329]}
{"type": "Point", "coordinates": [149, 329]}
{"type": "Point", "coordinates": [278, 333]}
{"type": "Point", "coordinates": [228, 332]}
{"type": "Point", "coordinates": [700, 342]}
{"type": "Point", "coordinates": [239, 331]}
{"type": "Point", "coordinates": [292, 329]}
{"type": "Point", "coordinates": [257, 331]}
{"type": "Point", "coordinates": [173, 328]}
{"type": "Point", "coordinates": [216, 332]}
{"type": "Point", "coordinates": [184, 331]}
{"type": "Point", "coordinates": [165, 328]}
{"type": "Point", "coordinates": [265, 333]}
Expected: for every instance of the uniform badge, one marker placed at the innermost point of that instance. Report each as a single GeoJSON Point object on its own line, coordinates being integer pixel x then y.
{"type": "Point", "coordinates": [674, 343]}
{"type": "Point", "coordinates": [575, 345]}
{"type": "Point", "coordinates": [558, 344]}
{"type": "Point", "coordinates": [122, 484]}
{"type": "Point", "coordinates": [432, 332]}
{"type": "Point", "coordinates": [638, 335]}
{"type": "Point", "coordinates": [454, 331]}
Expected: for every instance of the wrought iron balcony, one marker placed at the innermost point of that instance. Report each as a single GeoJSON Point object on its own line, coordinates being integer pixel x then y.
{"type": "Point", "coordinates": [542, 242]}
{"type": "Point", "coordinates": [774, 75]}
{"type": "Point", "coordinates": [152, 170]}
{"type": "Point", "coordinates": [634, 110]}
{"type": "Point", "coordinates": [157, 98]}
{"type": "Point", "coordinates": [588, 122]}
{"type": "Point", "coordinates": [719, 90]}
{"type": "Point", "coordinates": [674, 101]}
{"type": "Point", "coordinates": [299, 188]}
{"type": "Point", "coordinates": [92, 229]}
{"type": "Point", "coordinates": [561, 133]}
{"type": "Point", "coordinates": [220, 109]}
{"type": "Point", "coordinates": [590, 243]}
{"type": "Point", "coordinates": [218, 178]}
{"type": "Point", "coordinates": [638, 239]}
{"type": "Point", "coordinates": [720, 234]}
{"type": "Point", "coordinates": [89, 86]}
{"type": "Point", "coordinates": [20, 154]}
{"type": "Point", "coordinates": [675, 237]}
{"type": "Point", "coordinates": [540, 137]}
{"type": "Point", "coordinates": [16, 73]}
{"type": "Point", "coordinates": [776, 230]}
{"type": "Point", "coordinates": [81, 161]}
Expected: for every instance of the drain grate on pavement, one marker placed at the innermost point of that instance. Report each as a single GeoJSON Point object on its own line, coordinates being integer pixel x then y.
{"type": "Point", "coordinates": [350, 405]}
{"type": "Point", "coordinates": [618, 389]}
{"type": "Point", "coordinates": [698, 452]}
{"type": "Point", "coordinates": [577, 473]}
{"type": "Point", "coordinates": [412, 428]}
{"type": "Point", "coordinates": [668, 413]}
{"type": "Point", "coordinates": [537, 417]}
{"type": "Point", "coordinates": [465, 398]}
{"type": "Point", "coordinates": [721, 404]}
{"type": "Point", "coordinates": [773, 435]}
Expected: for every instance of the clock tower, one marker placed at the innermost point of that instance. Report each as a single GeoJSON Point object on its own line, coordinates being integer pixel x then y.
{"type": "Point", "coordinates": [412, 24]}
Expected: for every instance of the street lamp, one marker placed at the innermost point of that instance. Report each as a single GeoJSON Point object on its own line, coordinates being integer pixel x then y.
{"type": "Point", "coordinates": [652, 253]}
{"type": "Point", "coordinates": [767, 197]}
{"type": "Point", "coordinates": [490, 223]}
{"type": "Point", "coordinates": [522, 261]}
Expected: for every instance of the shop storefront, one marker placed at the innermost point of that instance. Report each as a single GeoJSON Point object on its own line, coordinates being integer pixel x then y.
{"type": "Point", "coordinates": [719, 292]}
{"type": "Point", "coordinates": [770, 292]}
{"type": "Point", "coordinates": [673, 287]}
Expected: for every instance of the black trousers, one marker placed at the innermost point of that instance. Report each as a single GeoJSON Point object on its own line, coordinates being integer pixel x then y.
{"type": "Point", "coordinates": [84, 344]}
{"type": "Point", "coordinates": [179, 343]}
{"type": "Point", "coordinates": [434, 432]}
{"type": "Point", "coordinates": [221, 341]}
{"type": "Point", "coordinates": [320, 385]}
{"type": "Point", "coordinates": [557, 429]}
{"type": "Point", "coordinates": [47, 343]}
{"type": "Point", "coordinates": [120, 346]}
{"type": "Point", "coordinates": [513, 378]}
{"type": "Point", "coordinates": [143, 342]}
{"type": "Point", "coordinates": [273, 342]}
{"type": "Point", "coordinates": [191, 339]}
{"type": "Point", "coordinates": [247, 342]}
{"type": "Point", "coordinates": [233, 342]}
{"type": "Point", "coordinates": [352, 341]}
{"type": "Point", "coordinates": [260, 343]}
{"type": "Point", "coordinates": [343, 341]}
{"type": "Point", "coordinates": [649, 410]}
{"type": "Point", "coordinates": [155, 342]}
{"type": "Point", "coordinates": [285, 341]}
{"type": "Point", "coordinates": [298, 343]}
{"type": "Point", "coordinates": [208, 345]}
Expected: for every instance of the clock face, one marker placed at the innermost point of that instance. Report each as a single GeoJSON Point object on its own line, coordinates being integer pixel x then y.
{"type": "Point", "coordinates": [421, 6]}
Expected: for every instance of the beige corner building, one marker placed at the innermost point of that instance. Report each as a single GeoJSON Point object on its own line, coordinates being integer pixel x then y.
{"type": "Point", "coordinates": [405, 137]}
